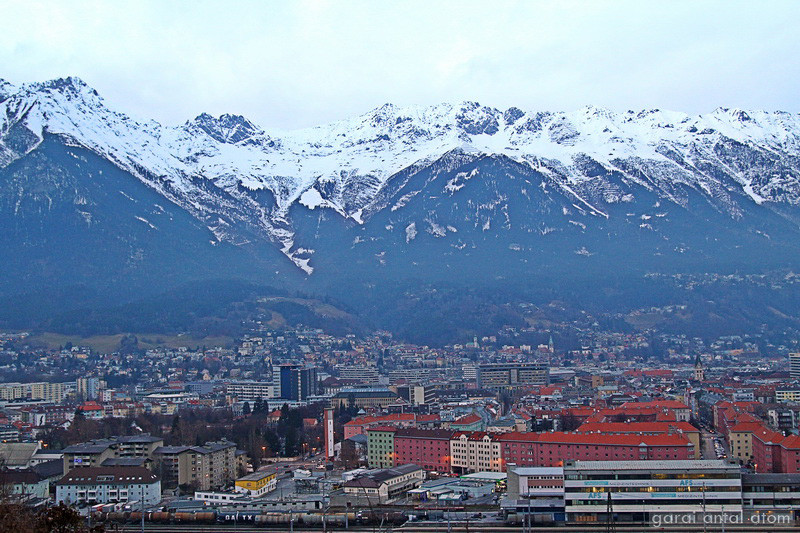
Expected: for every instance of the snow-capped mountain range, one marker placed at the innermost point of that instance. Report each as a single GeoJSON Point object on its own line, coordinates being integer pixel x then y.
{"type": "Point", "coordinates": [231, 174]}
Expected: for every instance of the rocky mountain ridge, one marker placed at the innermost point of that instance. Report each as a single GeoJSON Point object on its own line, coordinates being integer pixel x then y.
{"type": "Point", "coordinates": [400, 172]}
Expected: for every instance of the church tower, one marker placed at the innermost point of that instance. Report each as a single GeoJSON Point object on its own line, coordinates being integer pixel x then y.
{"type": "Point", "coordinates": [699, 373]}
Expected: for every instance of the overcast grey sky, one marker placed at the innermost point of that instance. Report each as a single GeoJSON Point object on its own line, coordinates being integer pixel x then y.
{"type": "Point", "coordinates": [293, 64]}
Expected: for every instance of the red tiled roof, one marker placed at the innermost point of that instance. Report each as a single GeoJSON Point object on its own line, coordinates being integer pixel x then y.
{"type": "Point", "coordinates": [468, 419]}
{"type": "Point", "coordinates": [382, 428]}
{"type": "Point", "coordinates": [414, 433]}
{"type": "Point", "coordinates": [743, 417]}
{"type": "Point", "coordinates": [637, 427]}
{"type": "Point", "coordinates": [658, 404]}
{"type": "Point", "coordinates": [665, 417]}
{"type": "Point", "coordinates": [767, 435]}
{"type": "Point", "coordinates": [597, 439]}
{"type": "Point", "coordinates": [544, 391]}
{"type": "Point", "coordinates": [746, 406]}
{"type": "Point", "coordinates": [579, 411]}
{"type": "Point", "coordinates": [747, 427]}
{"type": "Point", "coordinates": [791, 442]}
{"type": "Point", "coordinates": [396, 417]}
{"type": "Point", "coordinates": [658, 372]}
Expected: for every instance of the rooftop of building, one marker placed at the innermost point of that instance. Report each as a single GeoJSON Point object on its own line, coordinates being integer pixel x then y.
{"type": "Point", "coordinates": [390, 429]}
{"type": "Point", "coordinates": [596, 438]}
{"type": "Point", "coordinates": [124, 461]}
{"type": "Point", "coordinates": [17, 453]}
{"type": "Point", "coordinates": [770, 479]}
{"type": "Point", "coordinates": [92, 446]}
{"type": "Point", "coordinates": [108, 475]}
{"type": "Point", "coordinates": [13, 477]}
{"type": "Point", "coordinates": [210, 447]}
{"type": "Point", "coordinates": [678, 465]}
{"type": "Point", "coordinates": [257, 476]}
{"type": "Point", "coordinates": [374, 478]}
{"type": "Point", "coordinates": [467, 419]}
{"type": "Point", "coordinates": [485, 476]}
{"type": "Point", "coordinates": [361, 438]}
{"type": "Point", "coordinates": [537, 470]}
{"type": "Point", "coordinates": [143, 438]}
{"type": "Point", "coordinates": [396, 417]}
{"type": "Point", "coordinates": [170, 450]}
{"type": "Point", "coordinates": [659, 404]}
{"type": "Point", "coordinates": [500, 366]}
{"type": "Point", "coordinates": [746, 427]}
{"type": "Point", "coordinates": [637, 427]}
{"type": "Point", "coordinates": [50, 468]}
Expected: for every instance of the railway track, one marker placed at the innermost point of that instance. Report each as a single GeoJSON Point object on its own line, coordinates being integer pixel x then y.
{"type": "Point", "coordinates": [228, 528]}
{"type": "Point", "coordinates": [427, 527]}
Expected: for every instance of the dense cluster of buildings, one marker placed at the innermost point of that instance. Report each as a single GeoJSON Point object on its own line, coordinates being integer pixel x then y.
{"type": "Point", "coordinates": [394, 440]}
{"type": "Point", "coordinates": [417, 422]}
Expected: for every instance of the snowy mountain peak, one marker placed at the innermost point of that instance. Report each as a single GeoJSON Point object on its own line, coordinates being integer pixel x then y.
{"type": "Point", "coordinates": [6, 89]}
{"type": "Point", "coordinates": [228, 129]}
{"type": "Point", "coordinates": [227, 169]}
{"type": "Point", "coordinates": [71, 87]}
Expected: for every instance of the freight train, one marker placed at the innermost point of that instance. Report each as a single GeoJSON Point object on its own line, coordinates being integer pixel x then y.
{"type": "Point", "coordinates": [333, 519]}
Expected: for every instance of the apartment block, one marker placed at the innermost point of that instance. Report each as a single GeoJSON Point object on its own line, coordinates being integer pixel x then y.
{"type": "Point", "coordinates": [207, 467]}
{"type": "Point", "coordinates": [509, 376]}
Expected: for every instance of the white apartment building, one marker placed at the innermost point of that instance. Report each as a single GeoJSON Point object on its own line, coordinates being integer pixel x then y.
{"type": "Point", "coordinates": [475, 452]}
{"type": "Point", "coordinates": [113, 484]}
{"type": "Point", "coordinates": [250, 391]}
{"type": "Point", "coordinates": [51, 392]}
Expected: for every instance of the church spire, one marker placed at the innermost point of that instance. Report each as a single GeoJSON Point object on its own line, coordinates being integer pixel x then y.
{"type": "Point", "coordinates": [699, 373]}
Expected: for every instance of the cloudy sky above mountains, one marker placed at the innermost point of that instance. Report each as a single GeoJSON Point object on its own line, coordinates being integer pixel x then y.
{"type": "Point", "coordinates": [296, 64]}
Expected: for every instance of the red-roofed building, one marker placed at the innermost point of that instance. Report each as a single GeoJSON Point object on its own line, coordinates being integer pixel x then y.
{"type": "Point", "coordinates": [727, 414]}
{"type": "Point", "coordinates": [661, 373]}
{"type": "Point", "coordinates": [92, 410]}
{"type": "Point", "coordinates": [428, 448]}
{"type": "Point", "coordinates": [740, 439]}
{"type": "Point", "coordinates": [551, 449]}
{"type": "Point", "coordinates": [646, 428]}
{"type": "Point", "coordinates": [360, 425]}
{"type": "Point", "coordinates": [765, 393]}
{"type": "Point", "coordinates": [470, 422]}
{"type": "Point", "coordinates": [774, 453]}
{"type": "Point", "coordinates": [551, 392]}
{"type": "Point", "coordinates": [575, 416]}
{"type": "Point", "coordinates": [428, 421]}
{"type": "Point", "coordinates": [632, 414]}
{"type": "Point", "coordinates": [682, 411]}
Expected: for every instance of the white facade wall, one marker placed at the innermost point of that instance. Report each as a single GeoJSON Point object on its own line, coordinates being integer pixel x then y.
{"type": "Point", "coordinates": [92, 494]}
